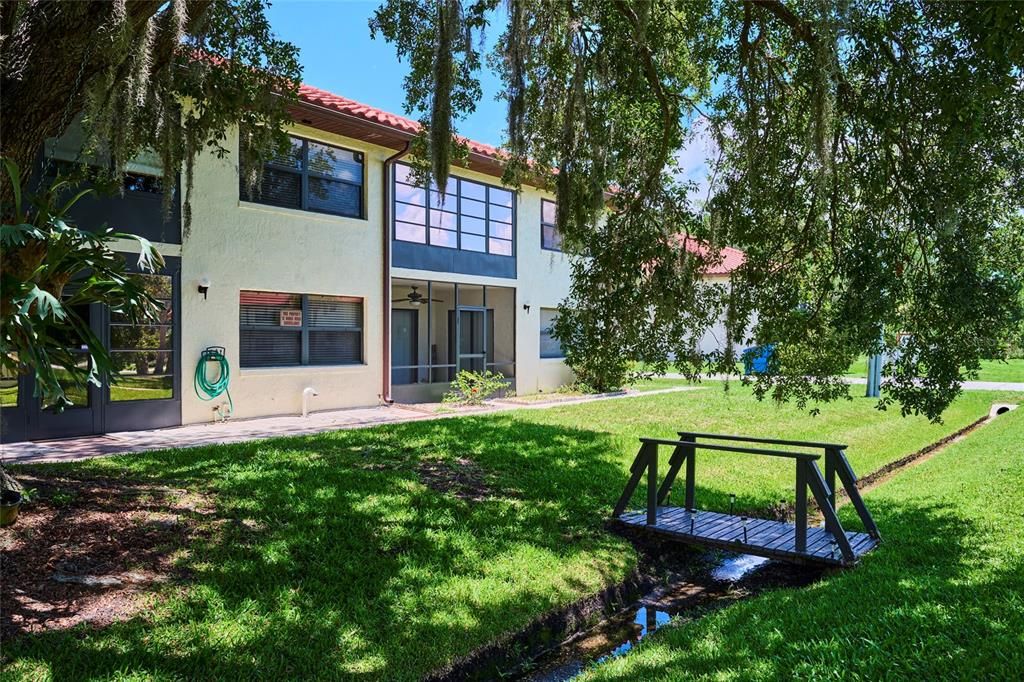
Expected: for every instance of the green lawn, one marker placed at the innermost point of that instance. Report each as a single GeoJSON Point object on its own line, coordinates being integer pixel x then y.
{"type": "Point", "coordinates": [995, 370]}
{"type": "Point", "coordinates": [128, 387]}
{"type": "Point", "coordinates": [942, 598]}
{"type": "Point", "coordinates": [347, 565]}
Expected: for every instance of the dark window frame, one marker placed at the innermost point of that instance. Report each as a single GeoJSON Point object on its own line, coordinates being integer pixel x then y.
{"type": "Point", "coordinates": [304, 173]}
{"type": "Point", "coordinates": [458, 197]}
{"type": "Point", "coordinates": [553, 226]}
{"type": "Point", "coordinates": [305, 331]}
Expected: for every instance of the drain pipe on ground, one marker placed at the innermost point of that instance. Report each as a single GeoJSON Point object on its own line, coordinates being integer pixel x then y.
{"type": "Point", "coordinates": [385, 393]}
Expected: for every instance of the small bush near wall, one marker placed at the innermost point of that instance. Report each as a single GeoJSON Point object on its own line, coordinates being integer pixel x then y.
{"type": "Point", "coordinates": [473, 388]}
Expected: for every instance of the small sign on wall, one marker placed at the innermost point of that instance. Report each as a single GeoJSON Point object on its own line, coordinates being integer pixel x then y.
{"type": "Point", "coordinates": [291, 318]}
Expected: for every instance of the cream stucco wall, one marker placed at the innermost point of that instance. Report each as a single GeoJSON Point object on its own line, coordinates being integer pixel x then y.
{"type": "Point", "coordinates": [240, 245]}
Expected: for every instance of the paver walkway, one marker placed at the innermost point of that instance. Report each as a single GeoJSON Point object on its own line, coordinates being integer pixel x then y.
{"type": "Point", "coordinates": [237, 431]}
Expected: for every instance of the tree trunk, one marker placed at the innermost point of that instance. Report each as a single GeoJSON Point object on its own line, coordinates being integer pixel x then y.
{"type": "Point", "coordinates": [51, 51]}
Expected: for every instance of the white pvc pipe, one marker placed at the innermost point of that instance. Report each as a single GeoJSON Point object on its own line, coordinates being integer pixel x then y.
{"type": "Point", "coordinates": [307, 393]}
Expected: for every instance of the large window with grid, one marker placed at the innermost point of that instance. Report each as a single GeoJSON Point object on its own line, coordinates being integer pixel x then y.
{"type": "Point", "coordinates": [284, 330]}
{"type": "Point", "coordinates": [312, 176]}
{"type": "Point", "coordinates": [472, 216]}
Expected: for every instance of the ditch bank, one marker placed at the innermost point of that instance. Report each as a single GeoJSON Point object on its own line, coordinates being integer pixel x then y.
{"type": "Point", "coordinates": [671, 582]}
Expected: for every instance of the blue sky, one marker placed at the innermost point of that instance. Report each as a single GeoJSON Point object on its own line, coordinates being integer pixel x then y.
{"type": "Point", "coordinates": [338, 55]}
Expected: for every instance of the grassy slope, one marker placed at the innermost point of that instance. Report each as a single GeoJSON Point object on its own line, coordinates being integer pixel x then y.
{"type": "Point", "coordinates": [357, 568]}
{"type": "Point", "coordinates": [941, 599]}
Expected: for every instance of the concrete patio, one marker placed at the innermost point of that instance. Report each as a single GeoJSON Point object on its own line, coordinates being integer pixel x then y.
{"type": "Point", "coordinates": [241, 430]}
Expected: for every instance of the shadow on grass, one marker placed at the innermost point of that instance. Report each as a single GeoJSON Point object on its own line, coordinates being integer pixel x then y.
{"type": "Point", "coordinates": [328, 557]}
{"type": "Point", "coordinates": [919, 607]}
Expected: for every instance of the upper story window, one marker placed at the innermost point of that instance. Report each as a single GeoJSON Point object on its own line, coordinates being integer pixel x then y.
{"type": "Point", "coordinates": [283, 330]}
{"type": "Point", "coordinates": [313, 176]}
{"type": "Point", "coordinates": [472, 216]}
{"type": "Point", "coordinates": [549, 237]}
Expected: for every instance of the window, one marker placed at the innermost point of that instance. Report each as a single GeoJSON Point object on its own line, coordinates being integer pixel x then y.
{"type": "Point", "coordinates": [550, 347]}
{"type": "Point", "coordinates": [9, 385]}
{"type": "Point", "coordinates": [472, 216]}
{"type": "Point", "coordinates": [285, 330]}
{"type": "Point", "coordinates": [312, 177]}
{"type": "Point", "coordinates": [143, 354]}
{"type": "Point", "coordinates": [549, 237]}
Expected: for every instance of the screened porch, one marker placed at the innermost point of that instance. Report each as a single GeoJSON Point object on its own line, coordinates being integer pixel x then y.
{"type": "Point", "coordinates": [439, 328]}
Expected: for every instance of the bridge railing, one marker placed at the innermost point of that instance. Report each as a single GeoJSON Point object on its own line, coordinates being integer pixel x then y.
{"type": "Point", "coordinates": [807, 473]}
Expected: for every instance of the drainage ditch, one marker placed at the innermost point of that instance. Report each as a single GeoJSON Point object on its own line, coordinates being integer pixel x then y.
{"type": "Point", "coordinates": [673, 582]}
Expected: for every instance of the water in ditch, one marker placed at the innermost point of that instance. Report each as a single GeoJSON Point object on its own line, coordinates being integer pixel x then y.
{"type": "Point", "coordinates": [729, 579]}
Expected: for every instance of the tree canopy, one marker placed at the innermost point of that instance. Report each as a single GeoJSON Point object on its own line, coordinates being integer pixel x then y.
{"type": "Point", "coordinates": [141, 76]}
{"type": "Point", "coordinates": [868, 160]}
{"type": "Point", "coordinates": [867, 157]}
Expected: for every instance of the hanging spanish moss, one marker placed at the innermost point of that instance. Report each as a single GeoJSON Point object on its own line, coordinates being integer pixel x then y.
{"type": "Point", "coordinates": [440, 129]}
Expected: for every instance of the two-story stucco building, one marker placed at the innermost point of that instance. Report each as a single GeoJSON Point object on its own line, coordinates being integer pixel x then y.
{"type": "Point", "coordinates": [339, 274]}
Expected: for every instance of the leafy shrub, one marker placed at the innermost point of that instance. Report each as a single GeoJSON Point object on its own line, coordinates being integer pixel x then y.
{"type": "Point", "coordinates": [577, 387]}
{"type": "Point", "coordinates": [473, 388]}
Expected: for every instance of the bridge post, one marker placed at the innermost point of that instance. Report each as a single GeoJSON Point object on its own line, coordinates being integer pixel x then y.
{"type": "Point", "coordinates": [801, 506]}
{"type": "Point", "coordinates": [818, 487]}
{"type": "Point", "coordinates": [636, 470]}
{"type": "Point", "coordinates": [674, 464]}
{"type": "Point", "coordinates": [849, 480]}
{"type": "Point", "coordinates": [652, 483]}
{"type": "Point", "coordinates": [830, 482]}
{"type": "Point", "coordinates": [691, 470]}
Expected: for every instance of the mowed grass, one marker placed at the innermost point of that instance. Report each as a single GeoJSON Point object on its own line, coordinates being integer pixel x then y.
{"type": "Point", "coordinates": [329, 557]}
{"type": "Point", "coordinates": [942, 598]}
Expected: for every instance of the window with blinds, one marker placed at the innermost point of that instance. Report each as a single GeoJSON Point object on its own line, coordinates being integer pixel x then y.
{"type": "Point", "coordinates": [285, 330]}
{"type": "Point", "coordinates": [312, 176]}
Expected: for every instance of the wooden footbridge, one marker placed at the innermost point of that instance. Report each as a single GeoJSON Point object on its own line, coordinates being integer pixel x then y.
{"type": "Point", "coordinates": [828, 544]}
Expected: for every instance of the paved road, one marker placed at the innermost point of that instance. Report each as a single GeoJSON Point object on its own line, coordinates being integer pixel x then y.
{"type": "Point", "coordinates": [969, 385]}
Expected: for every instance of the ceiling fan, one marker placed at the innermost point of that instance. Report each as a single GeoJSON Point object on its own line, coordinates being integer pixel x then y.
{"type": "Point", "coordinates": [415, 298]}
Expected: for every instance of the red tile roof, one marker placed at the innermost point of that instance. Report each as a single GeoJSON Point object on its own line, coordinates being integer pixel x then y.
{"type": "Point", "coordinates": [730, 258]}
{"type": "Point", "coordinates": [343, 105]}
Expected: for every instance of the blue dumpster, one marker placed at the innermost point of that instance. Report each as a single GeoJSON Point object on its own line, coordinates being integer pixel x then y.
{"type": "Point", "coordinates": [756, 359]}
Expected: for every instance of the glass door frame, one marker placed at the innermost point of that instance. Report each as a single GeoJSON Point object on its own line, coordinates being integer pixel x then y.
{"type": "Point", "coordinates": [29, 421]}
{"type": "Point", "coordinates": [78, 420]}
{"type": "Point", "coordinates": [157, 413]}
{"type": "Point", "coordinates": [459, 354]}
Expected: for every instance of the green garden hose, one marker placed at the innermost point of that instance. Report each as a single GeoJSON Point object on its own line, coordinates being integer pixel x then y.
{"type": "Point", "coordinates": [207, 389]}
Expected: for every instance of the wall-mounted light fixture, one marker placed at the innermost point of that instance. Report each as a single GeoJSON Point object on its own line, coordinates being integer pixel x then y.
{"type": "Point", "coordinates": [204, 286]}
{"type": "Point", "coordinates": [526, 307]}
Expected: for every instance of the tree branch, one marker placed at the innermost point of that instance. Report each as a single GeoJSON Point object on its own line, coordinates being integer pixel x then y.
{"type": "Point", "coordinates": [669, 114]}
{"type": "Point", "coordinates": [801, 28]}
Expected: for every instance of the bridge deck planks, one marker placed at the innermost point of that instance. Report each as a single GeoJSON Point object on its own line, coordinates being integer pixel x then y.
{"type": "Point", "coordinates": [773, 539]}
